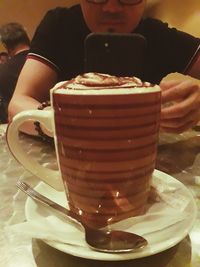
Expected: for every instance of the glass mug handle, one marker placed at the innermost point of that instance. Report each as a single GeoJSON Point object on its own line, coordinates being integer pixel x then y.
{"type": "Point", "coordinates": [51, 177]}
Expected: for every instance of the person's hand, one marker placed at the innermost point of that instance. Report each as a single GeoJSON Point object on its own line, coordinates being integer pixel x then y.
{"type": "Point", "coordinates": [180, 105]}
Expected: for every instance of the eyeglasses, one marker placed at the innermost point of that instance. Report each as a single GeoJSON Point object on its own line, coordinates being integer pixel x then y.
{"type": "Point", "coordinates": [123, 2]}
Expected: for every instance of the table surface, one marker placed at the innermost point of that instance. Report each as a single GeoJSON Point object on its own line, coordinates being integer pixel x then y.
{"type": "Point", "coordinates": [178, 155]}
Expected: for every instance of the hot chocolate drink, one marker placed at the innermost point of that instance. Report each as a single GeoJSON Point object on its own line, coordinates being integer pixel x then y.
{"type": "Point", "coordinates": [106, 131]}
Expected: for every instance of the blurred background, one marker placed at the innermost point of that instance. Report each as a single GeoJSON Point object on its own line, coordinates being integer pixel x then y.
{"type": "Point", "coordinates": [182, 14]}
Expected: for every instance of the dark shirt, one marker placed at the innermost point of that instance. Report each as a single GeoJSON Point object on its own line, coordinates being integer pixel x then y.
{"type": "Point", "coordinates": [59, 42]}
{"type": "Point", "coordinates": [9, 73]}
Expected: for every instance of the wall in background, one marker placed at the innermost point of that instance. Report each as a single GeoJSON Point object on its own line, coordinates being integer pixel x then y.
{"type": "Point", "coordinates": [28, 12]}
{"type": "Point", "coordinates": [182, 14]}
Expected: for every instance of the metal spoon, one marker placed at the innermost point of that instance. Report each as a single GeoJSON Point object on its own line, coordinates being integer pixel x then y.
{"type": "Point", "coordinates": [112, 241]}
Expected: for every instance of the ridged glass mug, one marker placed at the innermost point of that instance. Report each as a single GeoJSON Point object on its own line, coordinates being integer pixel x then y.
{"type": "Point", "coordinates": [106, 143]}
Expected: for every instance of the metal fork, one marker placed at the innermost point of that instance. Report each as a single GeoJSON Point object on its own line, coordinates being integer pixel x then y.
{"type": "Point", "coordinates": [113, 241]}
{"type": "Point", "coordinates": [47, 202]}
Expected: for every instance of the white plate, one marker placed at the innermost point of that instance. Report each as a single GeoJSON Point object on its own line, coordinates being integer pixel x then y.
{"type": "Point", "coordinates": [158, 241]}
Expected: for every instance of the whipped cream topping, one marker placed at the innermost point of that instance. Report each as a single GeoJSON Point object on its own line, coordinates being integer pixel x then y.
{"type": "Point", "coordinates": [99, 79]}
{"type": "Point", "coordinates": [94, 82]}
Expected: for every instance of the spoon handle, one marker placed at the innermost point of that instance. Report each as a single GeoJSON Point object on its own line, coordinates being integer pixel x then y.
{"type": "Point", "coordinates": [47, 202]}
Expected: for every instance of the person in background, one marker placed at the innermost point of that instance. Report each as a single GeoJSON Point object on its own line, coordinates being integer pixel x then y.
{"type": "Point", "coordinates": [3, 57]}
{"type": "Point", "coordinates": [57, 53]}
{"type": "Point", "coordinates": [15, 40]}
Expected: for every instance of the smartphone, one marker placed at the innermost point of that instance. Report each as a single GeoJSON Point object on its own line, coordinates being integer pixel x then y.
{"type": "Point", "coordinates": [193, 66]}
{"type": "Point", "coordinates": [115, 54]}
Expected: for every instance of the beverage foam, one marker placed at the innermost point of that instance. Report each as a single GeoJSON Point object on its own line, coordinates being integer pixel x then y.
{"type": "Point", "coordinates": [104, 84]}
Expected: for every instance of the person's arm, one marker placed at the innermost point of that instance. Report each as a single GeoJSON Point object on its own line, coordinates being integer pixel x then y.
{"type": "Point", "coordinates": [34, 83]}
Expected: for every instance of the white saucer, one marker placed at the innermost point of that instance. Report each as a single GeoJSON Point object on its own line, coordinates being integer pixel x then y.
{"type": "Point", "coordinates": [158, 240]}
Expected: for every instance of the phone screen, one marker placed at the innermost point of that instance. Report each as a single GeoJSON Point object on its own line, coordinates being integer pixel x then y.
{"type": "Point", "coordinates": [115, 54]}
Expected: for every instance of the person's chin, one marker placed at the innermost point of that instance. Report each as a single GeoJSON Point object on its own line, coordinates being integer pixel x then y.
{"type": "Point", "coordinates": [113, 28]}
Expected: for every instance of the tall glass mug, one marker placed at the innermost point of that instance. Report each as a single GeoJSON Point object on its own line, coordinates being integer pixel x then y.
{"type": "Point", "coordinates": [106, 133]}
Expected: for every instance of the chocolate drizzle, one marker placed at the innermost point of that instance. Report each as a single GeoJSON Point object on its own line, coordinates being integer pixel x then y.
{"type": "Point", "coordinates": [89, 81]}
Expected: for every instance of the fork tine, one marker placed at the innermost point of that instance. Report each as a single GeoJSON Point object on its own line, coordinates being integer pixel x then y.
{"type": "Point", "coordinates": [31, 192]}
{"type": "Point", "coordinates": [25, 188]}
{"type": "Point", "coordinates": [28, 190]}
{"type": "Point", "coordinates": [22, 185]}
